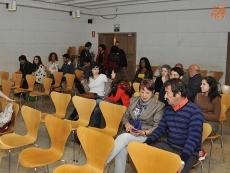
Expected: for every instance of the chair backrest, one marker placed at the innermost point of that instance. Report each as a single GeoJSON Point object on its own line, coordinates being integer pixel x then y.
{"type": "Point", "coordinates": [206, 131]}
{"type": "Point", "coordinates": [14, 115]}
{"type": "Point", "coordinates": [84, 108]}
{"type": "Point", "coordinates": [59, 131]}
{"type": "Point", "coordinates": [146, 158]}
{"type": "Point", "coordinates": [57, 78]}
{"type": "Point", "coordinates": [69, 81]}
{"type": "Point", "coordinates": [97, 147]}
{"type": "Point", "coordinates": [78, 73]}
{"type": "Point", "coordinates": [61, 102]}
{"type": "Point", "coordinates": [137, 66]}
{"type": "Point", "coordinates": [223, 112]}
{"type": "Point", "coordinates": [31, 81]}
{"type": "Point", "coordinates": [136, 86]}
{"type": "Point", "coordinates": [17, 77]}
{"type": "Point", "coordinates": [4, 75]}
{"type": "Point", "coordinates": [225, 99]}
{"type": "Point", "coordinates": [216, 74]}
{"type": "Point", "coordinates": [203, 73]}
{"type": "Point", "coordinates": [154, 68]}
{"type": "Point", "coordinates": [113, 114]}
{"type": "Point", "coordinates": [48, 73]}
{"type": "Point", "coordinates": [46, 84]}
{"type": "Point", "coordinates": [6, 86]}
{"type": "Point", "coordinates": [225, 89]}
{"type": "Point", "coordinates": [32, 118]}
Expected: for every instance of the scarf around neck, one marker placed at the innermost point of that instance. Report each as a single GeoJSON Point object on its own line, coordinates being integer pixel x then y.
{"type": "Point", "coordinates": [140, 107]}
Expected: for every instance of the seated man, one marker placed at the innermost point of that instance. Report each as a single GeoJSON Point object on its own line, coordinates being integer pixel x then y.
{"type": "Point", "coordinates": [184, 122]}
{"type": "Point", "coordinates": [175, 73]}
{"type": "Point", "coordinates": [86, 73]}
{"type": "Point", "coordinates": [67, 67]}
{"type": "Point", "coordinates": [194, 82]}
{"type": "Point", "coordinates": [26, 67]}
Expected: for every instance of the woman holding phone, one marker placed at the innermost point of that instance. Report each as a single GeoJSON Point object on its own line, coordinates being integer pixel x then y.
{"type": "Point", "coordinates": [140, 119]}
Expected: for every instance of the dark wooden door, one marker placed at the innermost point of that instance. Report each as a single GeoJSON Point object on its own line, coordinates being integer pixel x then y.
{"type": "Point", "coordinates": [107, 40]}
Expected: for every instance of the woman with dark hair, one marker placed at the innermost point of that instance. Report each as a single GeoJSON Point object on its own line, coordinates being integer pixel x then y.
{"type": "Point", "coordinates": [102, 57]}
{"type": "Point", "coordinates": [113, 59]}
{"type": "Point", "coordinates": [140, 119]}
{"type": "Point", "coordinates": [120, 93]}
{"type": "Point", "coordinates": [53, 62]}
{"type": "Point", "coordinates": [164, 76]}
{"type": "Point", "coordinates": [209, 101]}
{"type": "Point", "coordinates": [144, 71]}
{"type": "Point", "coordinates": [39, 69]}
{"type": "Point", "coordinates": [86, 53]}
{"type": "Point", "coordinates": [94, 84]}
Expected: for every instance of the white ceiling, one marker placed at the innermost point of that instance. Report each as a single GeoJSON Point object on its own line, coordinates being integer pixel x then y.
{"type": "Point", "coordinates": [95, 4]}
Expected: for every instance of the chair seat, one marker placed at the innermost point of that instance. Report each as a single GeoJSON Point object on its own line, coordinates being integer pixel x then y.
{"type": "Point", "coordinates": [21, 90]}
{"type": "Point", "coordinates": [36, 157]}
{"type": "Point", "coordinates": [108, 131]}
{"type": "Point", "coordinates": [15, 140]}
{"type": "Point", "coordinates": [73, 169]}
{"type": "Point", "coordinates": [213, 136]}
{"type": "Point", "coordinates": [61, 89]}
{"type": "Point", "coordinates": [37, 93]}
{"type": "Point", "coordinates": [55, 86]}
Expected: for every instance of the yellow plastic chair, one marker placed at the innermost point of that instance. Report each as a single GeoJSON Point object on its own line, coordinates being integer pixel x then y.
{"type": "Point", "coordinates": [16, 79]}
{"type": "Point", "coordinates": [203, 73]}
{"type": "Point", "coordinates": [32, 119]}
{"type": "Point", "coordinates": [57, 79]}
{"type": "Point", "coordinates": [225, 99]}
{"type": "Point", "coordinates": [217, 135]}
{"type": "Point", "coordinates": [206, 132]}
{"type": "Point", "coordinates": [36, 157]}
{"type": "Point", "coordinates": [216, 74]}
{"type": "Point", "coordinates": [61, 102]}
{"type": "Point", "coordinates": [31, 81]}
{"type": "Point", "coordinates": [146, 158]}
{"type": "Point", "coordinates": [97, 147]}
{"type": "Point", "coordinates": [113, 114]}
{"type": "Point", "coordinates": [47, 85]}
{"type": "Point", "coordinates": [6, 85]}
{"type": "Point", "coordinates": [69, 84]}
{"type": "Point", "coordinates": [84, 108]}
{"type": "Point", "coordinates": [78, 73]}
{"type": "Point", "coordinates": [13, 118]}
{"type": "Point", "coordinates": [4, 76]}
{"type": "Point", "coordinates": [48, 73]}
{"type": "Point", "coordinates": [154, 68]}
{"type": "Point", "coordinates": [225, 89]}
{"type": "Point", "coordinates": [136, 89]}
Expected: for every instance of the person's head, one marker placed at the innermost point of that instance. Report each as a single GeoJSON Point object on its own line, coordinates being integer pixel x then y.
{"type": "Point", "coordinates": [118, 74]}
{"type": "Point", "coordinates": [95, 69]}
{"type": "Point", "coordinates": [114, 49]}
{"type": "Point", "coordinates": [146, 89]}
{"type": "Point", "coordinates": [193, 70]}
{"type": "Point", "coordinates": [88, 45]}
{"type": "Point", "coordinates": [37, 60]}
{"type": "Point", "coordinates": [22, 59]}
{"type": "Point", "coordinates": [165, 70]}
{"type": "Point", "coordinates": [66, 58]}
{"type": "Point", "coordinates": [144, 63]}
{"type": "Point", "coordinates": [175, 91]}
{"type": "Point", "coordinates": [117, 43]}
{"type": "Point", "coordinates": [53, 57]}
{"type": "Point", "coordinates": [176, 72]}
{"type": "Point", "coordinates": [102, 47]}
{"type": "Point", "coordinates": [179, 65]}
{"type": "Point", "coordinates": [86, 62]}
{"type": "Point", "coordinates": [209, 87]}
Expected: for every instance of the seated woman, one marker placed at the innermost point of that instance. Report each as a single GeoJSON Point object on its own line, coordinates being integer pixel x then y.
{"type": "Point", "coordinates": [147, 111]}
{"type": "Point", "coordinates": [38, 69]}
{"type": "Point", "coordinates": [120, 93]}
{"type": "Point", "coordinates": [95, 84]}
{"type": "Point", "coordinates": [53, 62]}
{"type": "Point", "coordinates": [164, 76]}
{"type": "Point", "coordinates": [144, 71]}
{"type": "Point", "coordinates": [209, 102]}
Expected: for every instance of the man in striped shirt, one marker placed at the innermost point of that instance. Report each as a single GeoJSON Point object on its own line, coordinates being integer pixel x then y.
{"type": "Point", "coordinates": [183, 121]}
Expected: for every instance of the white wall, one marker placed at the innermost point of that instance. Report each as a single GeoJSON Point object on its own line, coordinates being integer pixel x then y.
{"type": "Point", "coordinates": [189, 36]}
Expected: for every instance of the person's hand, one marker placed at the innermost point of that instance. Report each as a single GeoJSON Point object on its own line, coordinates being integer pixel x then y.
{"type": "Point", "coordinates": [128, 127]}
{"type": "Point", "coordinates": [181, 168]}
{"type": "Point", "coordinates": [82, 81]}
{"type": "Point", "coordinates": [137, 132]}
{"type": "Point", "coordinates": [9, 100]}
{"type": "Point", "coordinates": [19, 72]}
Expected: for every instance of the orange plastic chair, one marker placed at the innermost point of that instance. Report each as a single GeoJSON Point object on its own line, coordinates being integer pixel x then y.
{"type": "Point", "coordinates": [57, 79]}
{"type": "Point", "coordinates": [69, 84]}
{"type": "Point", "coordinates": [203, 73]}
{"type": "Point", "coordinates": [6, 85]}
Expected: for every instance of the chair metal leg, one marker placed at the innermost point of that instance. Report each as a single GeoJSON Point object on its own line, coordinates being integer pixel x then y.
{"type": "Point", "coordinates": [202, 169]}
{"type": "Point", "coordinates": [109, 167]}
{"type": "Point", "coordinates": [221, 140]}
{"type": "Point", "coordinates": [17, 167]}
{"type": "Point", "coordinates": [42, 101]}
{"type": "Point", "coordinates": [47, 168]}
{"type": "Point", "coordinates": [209, 165]}
{"type": "Point", "coordinates": [73, 133]}
{"type": "Point", "coordinates": [35, 170]}
{"type": "Point", "coordinates": [36, 103]}
{"type": "Point", "coordinates": [9, 157]}
{"type": "Point", "coordinates": [78, 152]}
{"type": "Point", "coordinates": [20, 101]}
